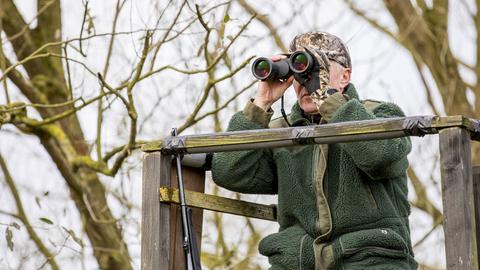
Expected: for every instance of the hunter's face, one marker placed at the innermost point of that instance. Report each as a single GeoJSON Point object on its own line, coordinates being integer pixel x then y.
{"type": "Point", "coordinates": [339, 78]}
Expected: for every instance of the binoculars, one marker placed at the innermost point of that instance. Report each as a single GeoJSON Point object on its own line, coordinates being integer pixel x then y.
{"type": "Point", "coordinates": [298, 63]}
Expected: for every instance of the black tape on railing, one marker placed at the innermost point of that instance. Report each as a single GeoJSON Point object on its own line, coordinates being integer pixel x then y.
{"type": "Point", "coordinates": [475, 133]}
{"type": "Point", "coordinates": [418, 126]}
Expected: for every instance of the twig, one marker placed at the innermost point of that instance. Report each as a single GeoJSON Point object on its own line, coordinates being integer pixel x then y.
{"type": "Point", "coordinates": [208, 68]}
{"type": "Point", "coordinates": [111, 89]}
{"type": "Point", "coordinates": [9, 214]}
{"type": "Point", "coordinates": [428, 90]}
{"type": "Point", "coordinates": [81, 29]}
{"type": "Point", "coordinates": [158, 45]}
{"type": "Point", "coordinates": [69, 76]}
{"type": "Point", "coordinates": [375, 24]}
{"type": "Point", "coordinates": [98, 140]}
{"type": "Point", "coordinates": [266, 22]}
{"type": "Point", "coordinates": [67, 112]}
{"type": "Point", "coordinates": [23, 217]}
{"type": "Point", "coordinates": [435, 225]}
{"type": "Point", "coordinates": [225, 104]}
{"type": "Point", "coordinates": [23, 61]}
{"type": "Point", "coordinates": [92, 213]}
{"type": "Point", "coordinates": [116, 150]}
{"type": "Point", "coordinates": [200, 103]}
{"type": "Point", "coordinates": [101, 166]}
{"type": "Point", "coordinates": [2, 58]}
{"type": "Point", "coordinates": [131, 109]}
{"type": "Point", "coordinates": [423, 202]}
{"type": "Point", "coordinates": [26, 28]}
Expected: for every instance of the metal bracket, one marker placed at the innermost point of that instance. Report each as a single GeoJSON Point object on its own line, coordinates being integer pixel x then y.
{"type": "Point", "coordinates": [475, 132]}
{"type": "Point", "coordinates": [418, 126]}
{"type": "Point", "coordinates": [175, 146]}
{"type": "Point", "coordinates": [303, 135]}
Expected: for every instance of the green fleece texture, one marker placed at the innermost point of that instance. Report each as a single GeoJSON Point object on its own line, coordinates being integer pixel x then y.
{"type": "Point", "coordinates": [330, 105]}
{"type": "Point", "coordinates": [283, 252]}
{"type": "Point", "coordinates": [365, 185]}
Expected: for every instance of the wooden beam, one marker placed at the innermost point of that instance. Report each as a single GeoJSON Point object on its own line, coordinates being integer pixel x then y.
{"type": "Point", "coordinates": [220, 204]}
{"type": "Point", "coordinates": [156, 242]}
{"type": "Point", "coordinates": [320, 134]}
{"type": "Point", "coordinates": [458, 200]}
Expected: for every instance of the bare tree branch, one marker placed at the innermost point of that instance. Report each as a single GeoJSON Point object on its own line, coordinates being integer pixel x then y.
{"type": "Point", "coordinates": [476, 89]}
{"type": "Point", "coordinates": [191, 118]}
{"type": "Point", "coordinates": [100, 165]}
{"type": "Point", "coordinates": [209, 67]}
{"type": "Point", "coordinates": [374, 23]}
{"type": "Point", "coordinates": [98, 140]}
{"type": "Point", "coordinates": [22, 216]}
{"type": "Point", "coordinates": [266, 22]}
{"type": "Point", "coordinates": [162, 40]}
{"type": "Point", "coordinates": [422, 201]}
{"type": "Point", "coordinates": [428, 90]}
{"type": "Point", "coordinates": [13, 24]}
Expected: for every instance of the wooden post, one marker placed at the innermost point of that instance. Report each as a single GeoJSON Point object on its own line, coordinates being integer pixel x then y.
{"type": "Point", "coordinates": [161, 223]}
{"type": "Point", "coordinates": [458, 200]}
{"type": "Point", "coordinates": [476, 195]}
{"type": "Point", "coordinates": [156, 241]}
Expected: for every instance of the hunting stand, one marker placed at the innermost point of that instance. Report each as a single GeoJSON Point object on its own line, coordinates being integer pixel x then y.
{"type": "Point", "coordinates": [161, 227]}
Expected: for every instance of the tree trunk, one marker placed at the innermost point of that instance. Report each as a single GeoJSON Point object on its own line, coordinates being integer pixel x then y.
{"type": "Point", "coordinates": [48, 86]}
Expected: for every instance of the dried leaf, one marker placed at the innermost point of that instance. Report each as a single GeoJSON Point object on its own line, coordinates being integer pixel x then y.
{"type": "Point", "coordinates": [46, 220]}
{"type": "Point", "coordinates": [15, 225]}
{"type": "Point", "coordinates": [8, 237]}
{"type": "Point", "coordinates": [37, 200]}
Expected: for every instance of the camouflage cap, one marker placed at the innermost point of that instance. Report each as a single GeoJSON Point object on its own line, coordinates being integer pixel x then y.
{"type": "Point", "coordinates": [332, 46]}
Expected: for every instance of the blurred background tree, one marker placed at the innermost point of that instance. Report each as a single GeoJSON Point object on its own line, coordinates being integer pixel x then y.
{"type": "Point", "coordinates": [85, 83]}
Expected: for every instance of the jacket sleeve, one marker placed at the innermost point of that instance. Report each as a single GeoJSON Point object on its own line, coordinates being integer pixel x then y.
{"type": "Point", "coordinates": [251, 171]}
{"type": "Point", "coordinates": [379, 159]}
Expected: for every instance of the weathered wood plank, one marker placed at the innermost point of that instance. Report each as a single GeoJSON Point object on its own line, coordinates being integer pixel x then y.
{"type": "Point", "coordinates": [156, 243]}
{"type": "Point", "coordinates": [476, 195]}
{"type": "Point", "coordinates": [220, 204]}
{"type": "Point", "coordinates": [458, 202]}
{"type": "Point", "coordinates": [329, 133]}
{"type": "Point", "coordinates": [162, 241]}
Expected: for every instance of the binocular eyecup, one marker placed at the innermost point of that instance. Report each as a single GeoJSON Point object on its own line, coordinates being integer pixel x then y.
{"type": "Point", "coordinates": [299, 62]}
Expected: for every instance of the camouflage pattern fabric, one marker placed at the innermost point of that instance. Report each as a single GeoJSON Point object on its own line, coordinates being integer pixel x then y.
{"type": "Point", "coordinates": [324, 47]}
{"type": "Point", "coordinates": [332, 46]}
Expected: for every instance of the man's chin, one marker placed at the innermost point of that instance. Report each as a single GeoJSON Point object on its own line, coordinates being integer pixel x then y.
{"type": "Point", "coordinates": [310, 109]}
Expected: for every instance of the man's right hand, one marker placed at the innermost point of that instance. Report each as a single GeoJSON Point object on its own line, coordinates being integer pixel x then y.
{"type": "Point", "coordinates": [270, 91]}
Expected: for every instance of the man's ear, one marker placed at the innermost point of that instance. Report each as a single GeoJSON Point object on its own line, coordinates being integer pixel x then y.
{"type": "Point", "coordinates": [345, 80]}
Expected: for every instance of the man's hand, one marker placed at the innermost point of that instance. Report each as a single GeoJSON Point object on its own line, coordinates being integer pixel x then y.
{"type": "Point", "coordinates": [270, 91]}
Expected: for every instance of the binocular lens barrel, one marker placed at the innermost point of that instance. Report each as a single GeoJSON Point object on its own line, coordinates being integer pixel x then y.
{"type": "Point", "coordinates": [265, 69]}
{"type": "Point", "coordinates": [262, 68]}
{"type": "Point", "coordinates": [299, 62]}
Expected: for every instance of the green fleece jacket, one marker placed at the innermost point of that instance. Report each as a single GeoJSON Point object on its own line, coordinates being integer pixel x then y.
{"type": "Point", "coordinates": [340, 206]}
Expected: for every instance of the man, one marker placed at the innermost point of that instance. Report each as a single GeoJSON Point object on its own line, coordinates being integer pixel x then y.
{"type": "Point", "coordinates": [340, 206]}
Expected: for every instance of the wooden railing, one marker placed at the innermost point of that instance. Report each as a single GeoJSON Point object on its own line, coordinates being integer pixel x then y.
{"type": "Point", "coordinates": [161, 228]}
